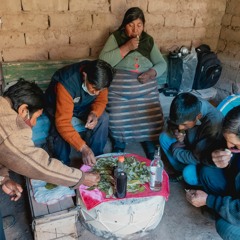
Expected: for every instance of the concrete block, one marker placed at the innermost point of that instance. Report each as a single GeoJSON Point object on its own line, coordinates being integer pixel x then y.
{"type": "Point", "coordinates": [25, 54]}
{"type": "Point", "coordinates": [219, 6]}
{"type": "Point", "coordinates": [230, 34]}
{"type": "Point", "coordinates": [165, 34]}
{"type": "Point", "coordinates": [235, 21]}
{"type": "Point", "coordinates": [48, 38]}
{"type": "Point", "coordinates": [221, 45]}
{"type": "Point", "coordinates": [118, 7]}
{"type": "Point", "coordinates": [154, 20]}
{"type": "Point", "coordinates": [233, 7]}
{"type": "Point", "coordinates": [205, 20]}
{"type": "Point", "coordinates": [203, 6]}
{"type": "Point", "coordinates": [45, 5]}
{"type": "Point", "coordinates": [11, 39]}
{"type": "Point", "coordinates": [233, 48]}
{"type": "Point", "coordinates": [199, 32]}
{"type": "Point", "coordinates": [143, 4]}
{"type": "Point", "coordinates": [71, 21]}
{"type": "Point", "coordinates": [193, 5]}
{"type": "Point", "coordinates": [69, 52]}
{"type": "Point", "coordinates": [90, 38]}
{"type": "Point", "coordinates": [100, 20]}
{"type": "Point", "coordinates": [213, 32]}
{"type": "Point", "coordinates": [226, 20]}
{"type": "Point", "coordinates": [163, 6]}
{"type": "Point", "coordinates": [185, 33]}
{"type": "Point", "coordinates": [24, 21]}
{"type": "Point", "coordinates": [89, 6]}
{"type": "Point", "coordinates": [10, 6]}
{"type": "Point", "coordinates": [179, 20]}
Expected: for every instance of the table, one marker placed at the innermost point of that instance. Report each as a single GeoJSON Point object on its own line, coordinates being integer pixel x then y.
{"type": "Point", "coordinates": [122, 218]}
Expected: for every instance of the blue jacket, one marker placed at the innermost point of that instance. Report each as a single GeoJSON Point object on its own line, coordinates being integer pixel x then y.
{"type": "Point", "coordinates": [202, 139]}
{"type": "Point", "coordinates": [228, 207]}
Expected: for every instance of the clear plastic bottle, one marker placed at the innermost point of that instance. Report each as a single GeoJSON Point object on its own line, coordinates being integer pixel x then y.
{"type": "Point", "coordinates": [156, 172]}
{"type": "Point", "coordinates": [120, 177]}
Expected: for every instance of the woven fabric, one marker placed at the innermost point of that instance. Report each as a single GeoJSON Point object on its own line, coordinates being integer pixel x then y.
{"type": "Point", "coordinates": [135, 113]}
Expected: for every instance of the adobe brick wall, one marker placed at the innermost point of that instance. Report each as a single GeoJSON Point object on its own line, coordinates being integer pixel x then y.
{"type": "Point", "coordinates": [61, 29]}
{"type": "Point", "coordinates": [229, 50]}
{"type": "Point", "coordinates": [65, 29]}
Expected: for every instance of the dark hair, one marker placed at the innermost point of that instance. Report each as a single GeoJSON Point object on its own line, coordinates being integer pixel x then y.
{"type": "Point", "coordinates": [24, 92]}
{"type": "Point", "coordinates": [131, 15]}
{"type": "Point", "coordinates": [99, 73]}
{"type": "Point", "coordinates": [184, 107]}
{"type": "Point", "coordinates": [231, 122]}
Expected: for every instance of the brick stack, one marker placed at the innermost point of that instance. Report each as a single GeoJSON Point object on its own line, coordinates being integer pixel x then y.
{"type": "Point", "coordinates": [64, 29]}
{"type": "Point", "coordinates": [229, 50]}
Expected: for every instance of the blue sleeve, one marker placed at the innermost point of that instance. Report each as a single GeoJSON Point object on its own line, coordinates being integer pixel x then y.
{"type": "Point", "coordinates": [227, 207]}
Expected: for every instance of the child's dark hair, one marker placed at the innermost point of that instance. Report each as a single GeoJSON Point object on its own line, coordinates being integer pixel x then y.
{"type": "Point", "coordinates": [184, 107]}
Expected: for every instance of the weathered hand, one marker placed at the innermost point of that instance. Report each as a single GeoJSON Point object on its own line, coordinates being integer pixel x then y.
{"type": "Point", "coordinates": [91, 179]}
{"type": "Point", "coordinates": [146, 76]}
{"type": "Point", "coordinates": [88, 156]}
{"type": "Point", "coordinates": [91, 121]}
{"type": "Point", "coordinates": [13, 189]}
{"type": "Point", "coordinates": [132, 44]}
{"type": "Point", "coordinates": [197, 198]}
{"type": "Point", "coordinates": [221, 158]}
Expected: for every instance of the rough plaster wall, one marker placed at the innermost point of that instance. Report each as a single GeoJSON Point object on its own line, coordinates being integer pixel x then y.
{"type": "Point", "coordinates": [64, 29]}
{"type": "Point", "coordinates": [229, 50]}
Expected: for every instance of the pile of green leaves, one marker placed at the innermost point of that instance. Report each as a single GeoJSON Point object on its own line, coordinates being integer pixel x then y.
{"type": "Point", "coordinates": [137, 174]}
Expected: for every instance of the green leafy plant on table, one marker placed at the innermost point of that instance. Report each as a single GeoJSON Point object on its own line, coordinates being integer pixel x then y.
{"type": "Point", "coordinates": [137, 174]}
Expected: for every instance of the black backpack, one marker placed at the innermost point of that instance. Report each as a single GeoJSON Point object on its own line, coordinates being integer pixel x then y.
{"type": "Point", "coordinates": [208, 69]}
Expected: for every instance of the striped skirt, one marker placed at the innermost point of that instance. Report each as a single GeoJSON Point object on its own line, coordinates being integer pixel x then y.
{"type": "Point", "coordinates": [135, 113]}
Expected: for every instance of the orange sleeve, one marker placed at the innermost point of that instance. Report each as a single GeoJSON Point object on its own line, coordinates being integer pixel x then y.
{"type": "Point", "coordinates": [100, 103]}
{"type": "Point", "coordinates": [63, 118]}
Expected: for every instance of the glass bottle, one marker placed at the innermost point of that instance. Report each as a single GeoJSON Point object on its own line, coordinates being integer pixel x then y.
{"type": "Point", "coordinates": [120, 177]}
{"type": "Point", "coordinates": [156, 171]}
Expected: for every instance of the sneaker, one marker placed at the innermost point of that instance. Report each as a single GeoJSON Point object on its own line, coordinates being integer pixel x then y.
{"type": "Point", "coordinates": [8, 221]}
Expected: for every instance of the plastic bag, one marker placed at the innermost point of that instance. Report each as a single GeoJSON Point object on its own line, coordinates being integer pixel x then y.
{"type": "Point", "coordinates": [189, 69]}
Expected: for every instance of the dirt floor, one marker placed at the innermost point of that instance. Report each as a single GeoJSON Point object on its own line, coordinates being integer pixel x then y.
{"type": "Point", "coordinates": [180, 220]}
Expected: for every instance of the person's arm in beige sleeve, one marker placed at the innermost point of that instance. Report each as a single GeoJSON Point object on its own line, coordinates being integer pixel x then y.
{"type": "Point", "coordinates": [26, 159]}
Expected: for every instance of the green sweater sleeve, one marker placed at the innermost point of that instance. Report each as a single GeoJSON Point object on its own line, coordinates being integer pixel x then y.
{"type": "Point", "coordinates": [111, 52]}
{"type": "Point", "coordinates": [159, 64]}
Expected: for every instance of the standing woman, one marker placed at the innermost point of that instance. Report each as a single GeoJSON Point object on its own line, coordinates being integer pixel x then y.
{"type": "Point", "coordinates": [134, 108]}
